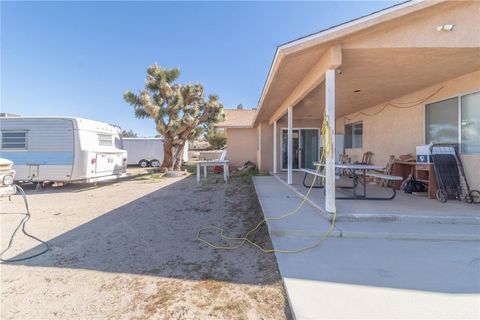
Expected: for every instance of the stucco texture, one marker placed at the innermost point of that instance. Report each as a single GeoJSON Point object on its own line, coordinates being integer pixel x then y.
{"type": "Point", "coordinates": [396, 131]}
{"type": "Point", "coordinates": [241, 146]}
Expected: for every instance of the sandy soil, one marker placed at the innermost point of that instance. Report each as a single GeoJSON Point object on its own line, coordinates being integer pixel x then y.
{"type": "Point", "coordinates": [129, 250]}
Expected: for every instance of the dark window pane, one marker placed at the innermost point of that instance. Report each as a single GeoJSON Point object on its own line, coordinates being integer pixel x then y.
{"type": "Point", "coordinates": [14, 140]}
{"type": "Point", "coordinates": [348, 136]}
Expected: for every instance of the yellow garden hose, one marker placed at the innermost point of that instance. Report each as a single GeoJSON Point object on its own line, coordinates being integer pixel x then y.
{"type": "Point", "coordinates": [327, 151]}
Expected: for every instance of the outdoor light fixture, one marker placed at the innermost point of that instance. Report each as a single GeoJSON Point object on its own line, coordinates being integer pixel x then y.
{"type": "Point", "coordinates": [445, 27]}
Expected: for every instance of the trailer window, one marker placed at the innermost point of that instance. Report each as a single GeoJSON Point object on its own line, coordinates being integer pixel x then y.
{"type": "Point", "coordinates": [105, 140]}
{"type": "Point", "coordinates": [14, 140]}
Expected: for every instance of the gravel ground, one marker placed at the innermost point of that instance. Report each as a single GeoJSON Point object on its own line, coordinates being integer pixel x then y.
{"type": "Point", "coordinates": [128, 250]}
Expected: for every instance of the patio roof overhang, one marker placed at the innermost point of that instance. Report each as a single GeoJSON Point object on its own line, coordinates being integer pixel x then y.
{"type": "Point", "coordinates": [381, 55]}
{"type": "Point", "coordinates": [368, 77]}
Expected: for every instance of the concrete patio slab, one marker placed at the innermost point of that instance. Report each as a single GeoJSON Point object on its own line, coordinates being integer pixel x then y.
{"type": "Point", "coordinates": [276, 201]}
{"type": "Point", "coordinates": [404, 208]}
{"type": "Point", "coordinates": [383, 279]}
{"type": "Point", "coordinates": [368, 277]}
{"type": "Point", "coordinates": [419, 231]}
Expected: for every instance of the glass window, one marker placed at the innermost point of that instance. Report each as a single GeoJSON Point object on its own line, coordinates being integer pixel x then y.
{"type": "Point", "coordinates": [471, 123]}
{"type": "Point", "coordinates": [14, 140]}
{"type": "Point", "coordinates": [354, 135]}
{"type": "Point", "coordinates": [105, 139]}
{"type": "Point", "coordinates": [442, 121]}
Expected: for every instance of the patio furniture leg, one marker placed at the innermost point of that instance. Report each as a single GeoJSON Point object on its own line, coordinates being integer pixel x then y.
{"type": "Point", "coordinates": [364, 183]}
{"type": "Point", "coordinates": [353, 187]}
{"type": "Point", "coordinates": [394, 194]}
{"type": "Point", "coordinates": [354, 184]}
{"type": "Point", "coordinates": [198, 173]}
{"type": "Point", "coordinates": [310, 186]}
{"type": "Point", "coordinates": [225, 173]}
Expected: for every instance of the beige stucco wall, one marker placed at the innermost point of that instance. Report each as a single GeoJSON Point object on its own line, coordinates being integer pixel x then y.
{"type": "Point", "coordinates": [419, 30]}
{"type": "Point", "coordinates": [398, 131]}
{"type": "Point", "coordinates": [392, 131]}
{"type": "Point", "coordinates": [241, 146]}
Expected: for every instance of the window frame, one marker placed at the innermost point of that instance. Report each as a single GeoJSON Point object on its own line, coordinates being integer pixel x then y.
{"type": "Point", "coordinates": [100, 140]}
{"type": "Point", "coordinates": [25, 147]}
{"type": "Point", "coordinates": [459, 111]}
{"type": "Point", "coordinates": [352, 124]}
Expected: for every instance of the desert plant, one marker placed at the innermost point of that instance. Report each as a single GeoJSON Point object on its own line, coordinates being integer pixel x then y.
{"type": "Point", "coordinates": [128, 134]}
{"type": "Point", "coordinates": [216, 139]}
{"type": "Point", "coordinates": [177, 110]}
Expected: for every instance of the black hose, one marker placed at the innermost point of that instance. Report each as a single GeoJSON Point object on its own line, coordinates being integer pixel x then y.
{"type": "Point", "coordinates": [22, 225]}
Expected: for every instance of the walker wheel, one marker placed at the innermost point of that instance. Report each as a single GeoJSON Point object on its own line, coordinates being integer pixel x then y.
{"type": "Point", "coordinates": [441, 196]}
{"type": "Point", "coordinates": [475, 196]}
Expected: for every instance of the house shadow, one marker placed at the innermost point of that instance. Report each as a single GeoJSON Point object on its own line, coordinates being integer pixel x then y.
{"type": "Point", "coordinates": [156, 235]}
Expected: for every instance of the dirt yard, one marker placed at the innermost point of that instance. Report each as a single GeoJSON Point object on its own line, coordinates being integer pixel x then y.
{"type": "Point", "coordinates": [128, 250]}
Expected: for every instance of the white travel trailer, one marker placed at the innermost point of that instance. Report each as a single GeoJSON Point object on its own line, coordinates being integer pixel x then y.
{"type": "Point", "coordinates": [62, 149]}
{"type": "Point", "coordinates": [147, 151]}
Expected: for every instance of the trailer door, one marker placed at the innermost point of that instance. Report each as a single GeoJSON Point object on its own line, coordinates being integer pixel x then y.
{"type": "Point", "coordinates": [108, 162]}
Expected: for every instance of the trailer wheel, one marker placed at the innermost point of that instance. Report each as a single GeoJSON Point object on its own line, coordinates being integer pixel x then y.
{"type": "Point", "coordinates": [475, 196]}
{"type": "Point", "coordinates": [143, 163]}
{"type": "Point", "coordinates": [441, 196]}
{"type": "Point", "coordinates": [155, 163]}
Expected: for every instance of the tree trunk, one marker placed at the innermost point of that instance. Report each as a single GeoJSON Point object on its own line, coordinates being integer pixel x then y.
{"type": "Point", "coordinates": [179, 156]}
{"type": "Point", "coordinates": [168, 153]}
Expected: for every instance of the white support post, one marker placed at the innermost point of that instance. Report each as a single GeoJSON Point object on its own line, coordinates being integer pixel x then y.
{"type": "Point", "coordinates": [290, 145]}
{"type": "Point", "coordinates": [330, 157]}
{"type": "Point", "coordinates": [275, 147]}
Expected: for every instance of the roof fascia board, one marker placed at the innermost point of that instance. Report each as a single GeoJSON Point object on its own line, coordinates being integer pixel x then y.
{"type": "Point", "coordinates": [331, 59]}
{"type": "Point", "coordinates": [332, 33]}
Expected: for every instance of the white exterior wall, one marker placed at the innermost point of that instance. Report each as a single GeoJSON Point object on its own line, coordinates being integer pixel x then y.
{"type": "Point", "coordinates": [61, 149]}
{"type": "Point", "coordinates": [50, 148]}
{"type": "Point", "coordinates": [143, 149]}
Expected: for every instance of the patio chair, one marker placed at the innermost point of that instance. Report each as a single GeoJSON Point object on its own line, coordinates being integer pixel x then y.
{"type": "Point", "coordinates": [342, 159]}
{"type": "Point", "coordinates": [387, 171]}
{"type": "Point", "coordinates": [366, 159]}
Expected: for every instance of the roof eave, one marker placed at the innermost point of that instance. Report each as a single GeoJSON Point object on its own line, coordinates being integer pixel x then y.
{"type": "Point", "coordinates": [337, 32]}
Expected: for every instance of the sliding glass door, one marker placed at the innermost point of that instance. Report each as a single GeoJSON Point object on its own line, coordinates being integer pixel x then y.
{"type": "Point", "coordinates": [305, 144]}
{"type": "Point", "coordinates": [295, 148]}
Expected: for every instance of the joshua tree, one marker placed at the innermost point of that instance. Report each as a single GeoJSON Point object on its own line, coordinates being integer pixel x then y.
{"type": "Point", "coordinates": [177, 110]}
{"type": "Point", "coordinates": [128, 134]}
{"type": "Point", "coordinates": [216, 139]}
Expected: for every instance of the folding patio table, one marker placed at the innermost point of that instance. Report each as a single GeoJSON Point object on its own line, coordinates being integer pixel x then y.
{"type": "Point", "coordinates": [354, 169]}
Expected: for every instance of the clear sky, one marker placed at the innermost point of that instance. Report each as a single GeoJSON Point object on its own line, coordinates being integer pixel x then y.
{"type": "Point", "coordinates": [77, 58]}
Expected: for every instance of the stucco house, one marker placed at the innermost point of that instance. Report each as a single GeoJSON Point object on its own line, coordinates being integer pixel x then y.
{"type": "Point", "coordinates": [390, 81]}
